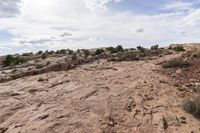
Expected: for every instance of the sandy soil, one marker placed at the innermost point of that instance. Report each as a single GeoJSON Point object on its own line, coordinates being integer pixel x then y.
{"type": "Point", "coordinates": [101, 97]}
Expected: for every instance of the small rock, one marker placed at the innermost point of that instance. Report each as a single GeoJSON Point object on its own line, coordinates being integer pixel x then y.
{"type": "Point", "coordinates": [162, 124]}
{"type": "Point", "coordinates": [163, 81]}
{"type": "Point", "coordinates": [182, 118]}
{"type": "Point", "coordinates": [193, 80]}
{"type": "Point", "coordinates": [111, 122]}
{"type": "Point", "coordinates": [178, 71]}
{"type": "Point", "coordinates": [44, 116]}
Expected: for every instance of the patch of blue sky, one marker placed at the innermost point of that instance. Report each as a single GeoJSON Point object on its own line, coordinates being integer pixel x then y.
{"type": "Point", "coordinates": [5, 35]}
{"type": "Point", "coordinates": [149, 7]}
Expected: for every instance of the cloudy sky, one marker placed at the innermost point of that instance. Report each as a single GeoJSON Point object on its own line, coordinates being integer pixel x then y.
{"type": "Point", "coordinates": [32, 25]}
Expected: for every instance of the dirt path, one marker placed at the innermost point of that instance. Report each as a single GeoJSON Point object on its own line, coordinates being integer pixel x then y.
{"type": "Point", "coordinates": [102, 97]}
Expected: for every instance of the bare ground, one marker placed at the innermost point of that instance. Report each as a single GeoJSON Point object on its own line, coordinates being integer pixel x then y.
{"type": "Point", "coordinates": [101, 97]}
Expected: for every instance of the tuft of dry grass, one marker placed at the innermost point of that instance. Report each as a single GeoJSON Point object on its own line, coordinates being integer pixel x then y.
{"type": "Point", "coordinates": [193, 106]}
{"type": "Point", "coordinates": [178, 62]}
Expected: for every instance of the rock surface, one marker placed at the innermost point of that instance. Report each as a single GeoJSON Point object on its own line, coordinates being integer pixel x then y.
{"type": "Point", "coordinates": [101, 97]}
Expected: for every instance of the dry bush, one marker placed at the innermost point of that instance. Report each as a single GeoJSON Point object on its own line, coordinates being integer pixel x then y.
{"type": "Point", "coordinates": [177, 48]}
{"type": "Point", "coordinates": [193, 106]}
{"type": "Point", "coordinates": [178, 62]}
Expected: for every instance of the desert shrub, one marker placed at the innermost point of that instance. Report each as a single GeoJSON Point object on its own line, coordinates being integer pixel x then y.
{"type": "Point", "coordinates": [99, 51]}
{"type": "Point", "coordinates": [62, 51]}
{"type": "Point", "coordinates": [178, 62]}
{"type": "Point", "coordinates": [119, 48]}
{"type": "Point", "coordinates": [132, 48]}
{"type": "Point", "coordinates": [114, 59]}
{"type": "Point", "coordinates": [70, 51]}
{"type": "Point", "coordinates": [44, 56]}
{"type": "Point", "coordinates": [39, 52]}
{"type": "Point", "coordinates": [74, 57]}
{"type": "Point", "coordinates": [193, 106]}
{"type": "Point", "coordinates": [39, 66]}
{"type": "Point", "coordinates": [86, 52]}
{"type": "Point", "coordinates": [177, 48]}
{"type": "Point", "coordinates": [189, 106]}
{"type": "Point", "coordinates": [51, 52]}
{"type": "Point", "coordinates": [41, 80]}
{"type": "Point", "coordinates": [154, 47]}
{"type": "Point", "coordinates": [141, 49]}
{"type": "Point", "coordinates": [8, 60]}
{"type": "Point", "coordinates": [11, 60]}
{"type": "Point", "coordinates": [27, 54]}
{"type": "Point", "coordinates": [111, 50]}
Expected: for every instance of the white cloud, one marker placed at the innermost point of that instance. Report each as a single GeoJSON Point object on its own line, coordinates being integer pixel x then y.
{"type": "Point", "coordinates": [193, 18]}
{"type": "Point", "coordinates": [9, 8]}
{"type": "Point", "coordinates": [179, 6]}
{"type": "Point", "coordinates": [43, 23]}
{"type": "Point", "coordinates": [98, 4]}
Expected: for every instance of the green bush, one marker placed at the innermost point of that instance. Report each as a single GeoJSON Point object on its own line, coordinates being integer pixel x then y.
{"type": "Point", "coordinates": [11, 60]}
{"type": "Point", "coordinates": [141, 49]}
{"type": "Point", "coordinates": [39, 66]}
{"type": "Point", "coordinates": [39, 52]}
{"type": "Point", "coordinates": [99, 51]}
{"type": "Point", "coordinates": [176, 63]}
{"type": "Point", "coordinates": [177, 48]}
{"type": "Point", "coordinates": [86, 52]}
{"type": "Point", "coordinates": [41, 80]}
{"type": "Point", "coordinates": [119, 48]}
{"type": "Point", "coordinates": [27, 54]}
{"type": "Point", "coordinates": [154, 47]}
{"type": "Point", "coordinates": [192, 106]}
{"type": "Point", "coordinates": [62, 51]}
{"type": "Point", "coordinates": [49, 52]}
{"type": "Point", "coordinates": [111, 50]}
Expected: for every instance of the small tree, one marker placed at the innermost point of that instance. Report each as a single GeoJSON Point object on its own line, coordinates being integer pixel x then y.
{"type": "Point", "coordinates": [86, 53]}
{"type": "Point", "coordinates": [63, 51]}
{"type": "Point", "coordinates": [154, 47]}
{"type": "Point", "coordinates": [119, 48]}
{"type": "Point", "coordinates": [99, 51]}
{"type": "Point", "coordinates": [111, 50]}
{"type": "Point", "coordinates": [141, 49]}
{"type": "Point", "coordinates": [8, 60]}
{"type": "Point", "coordinates": [39, 52]}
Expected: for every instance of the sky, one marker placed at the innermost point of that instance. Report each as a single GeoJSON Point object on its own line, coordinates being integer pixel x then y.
{"type": "Point", "coordinates": [33, 25]}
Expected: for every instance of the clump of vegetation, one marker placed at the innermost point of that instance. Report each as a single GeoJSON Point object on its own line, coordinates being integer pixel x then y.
{"type": "Point", "coordinates": [111, 50]}
{"type": "Point", "coordinates": [154, 47]}
{"type": "Point", "coordinates": [44, 56]}
{"type": "Point", "coordinates": [74, 57]}
{"type": "Point", "coordinates": [192, 106]}
{"type": "Point", "coordinates": [39, 66]}
{"type": "Point", "coordinates": [178, 62]}
{"type": "Point", "coordinates": [119, 48]}
{"type": "Point", "coordinates": [27, 54]}
{"type": "Point", "coordinates": [178, 48]}
{"type": "Point", "coordinates": [41, 80]}
{"type": "Point", "coordinates": [11, 60]}
{"type": "Point", "coordinates": [141, 49]}
{"type": "Point", "coordinates": [49, 52]}
{"type": "Point", "coordinates": [99, 51]}
{"type": "Point", "coordinates": [39, 52]}
{"type": "Point", "coordinates": [86, 53]}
